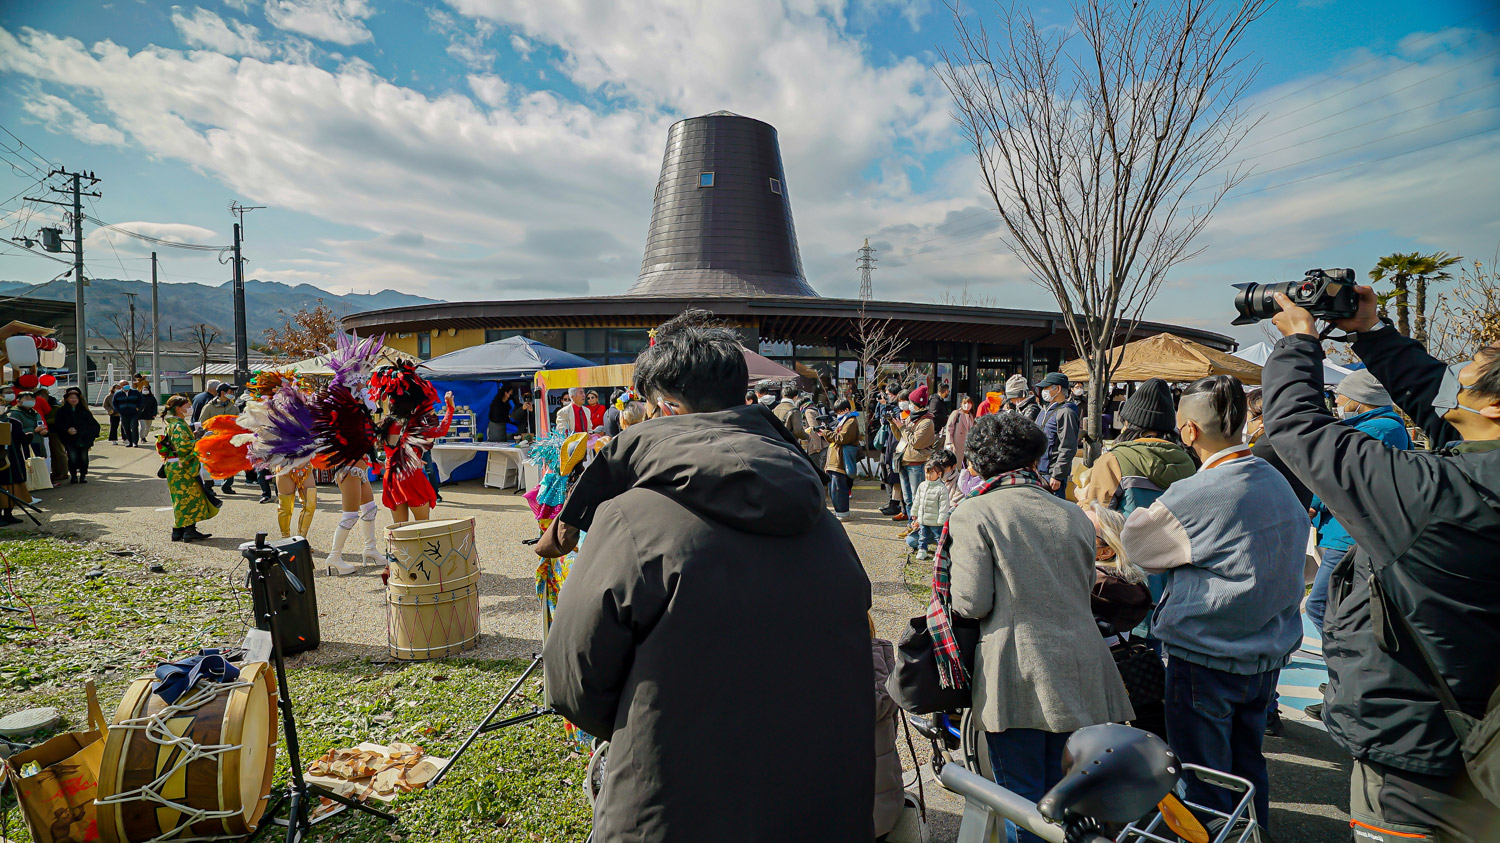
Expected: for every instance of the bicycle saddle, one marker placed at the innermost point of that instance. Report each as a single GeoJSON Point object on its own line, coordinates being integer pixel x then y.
{"type": "Point", "coordinates": [1111, 773]}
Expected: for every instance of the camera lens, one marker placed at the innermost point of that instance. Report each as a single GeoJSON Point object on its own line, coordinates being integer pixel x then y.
{"type": "Point", "coordinates": [1254, 302]}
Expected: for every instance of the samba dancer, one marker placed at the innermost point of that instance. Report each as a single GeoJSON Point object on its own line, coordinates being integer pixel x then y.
{"type": "Point", "coordinates": [346, 441]}
{"type": "Point", "coordinates": [406, 433]}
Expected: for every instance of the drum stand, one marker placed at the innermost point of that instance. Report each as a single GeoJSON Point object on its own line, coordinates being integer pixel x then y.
{"type": "Point", "coordinates": [300, 796]}
{"type": "Point", "coordinates": [489, 724]}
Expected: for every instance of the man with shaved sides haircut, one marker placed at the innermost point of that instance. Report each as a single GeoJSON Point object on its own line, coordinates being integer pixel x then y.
{"type": "Point", "coordinates": [1231, 539]}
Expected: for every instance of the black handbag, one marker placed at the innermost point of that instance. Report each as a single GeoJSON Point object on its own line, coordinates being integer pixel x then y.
{"type": "Point", "coordinates": [1142, 671]}
{"type": "Point", "coordinates": [914, 683]}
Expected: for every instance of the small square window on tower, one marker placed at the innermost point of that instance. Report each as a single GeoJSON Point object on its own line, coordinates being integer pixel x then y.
{"type": "Point", "coordinates": [776, 186]}
{"type": "Point", "coordinates": [705, 179]}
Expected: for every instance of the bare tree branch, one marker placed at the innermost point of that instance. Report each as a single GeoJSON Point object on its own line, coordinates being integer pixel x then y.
{"type": "Point", "coordinates": [1104, 147]}
{"type": "Point", "coordinates": [877, 344]}
{"type": "Point", "coordinates": [126, 344]}
{"type": "Point", "coordinates": [203, 336]}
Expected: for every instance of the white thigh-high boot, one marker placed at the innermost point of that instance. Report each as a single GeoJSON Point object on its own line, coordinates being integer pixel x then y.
{"type": "Point", "coordinates": [336, 564]}
{"type": "Point", "coordinates": [367, 515]}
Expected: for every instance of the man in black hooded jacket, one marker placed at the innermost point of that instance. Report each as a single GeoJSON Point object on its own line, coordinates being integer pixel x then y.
{"type": "Point", "coordinates": [713, 596]}
{"type": "Point", "coordinates": [1425, 571]}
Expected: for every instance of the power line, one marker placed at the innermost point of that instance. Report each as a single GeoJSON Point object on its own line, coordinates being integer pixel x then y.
{"type": "Point", "coordinates": [196, 247]}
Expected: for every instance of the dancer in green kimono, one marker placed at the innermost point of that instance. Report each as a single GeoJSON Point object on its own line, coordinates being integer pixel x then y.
{"type": "Point", "coordinates": [189, 502]}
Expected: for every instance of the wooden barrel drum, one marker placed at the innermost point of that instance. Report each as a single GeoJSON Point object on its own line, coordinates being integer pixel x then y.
{"type": "Point", "coordinates": [199, 768]}
{"type": "Point", "coordinates": [432, 589]}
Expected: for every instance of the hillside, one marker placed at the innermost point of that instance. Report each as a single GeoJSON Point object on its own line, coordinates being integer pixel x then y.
{"type": "Point", "coordinates": [186, 305]}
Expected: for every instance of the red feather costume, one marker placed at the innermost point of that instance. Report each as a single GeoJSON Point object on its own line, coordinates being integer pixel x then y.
{"type": "Point", "coordinates": [406, 434]}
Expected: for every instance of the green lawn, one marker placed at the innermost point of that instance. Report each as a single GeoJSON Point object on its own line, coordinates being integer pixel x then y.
{"type": "Point", "coordinates": [519, 784]}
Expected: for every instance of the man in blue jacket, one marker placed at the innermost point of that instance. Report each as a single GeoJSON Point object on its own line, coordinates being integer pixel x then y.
{"type": "Point", "coordinates": [1364, 405]}
{"type": "Point", "coordinates": [1418, 593]}
{"type": "Point", "coordinates": [1059, 422]}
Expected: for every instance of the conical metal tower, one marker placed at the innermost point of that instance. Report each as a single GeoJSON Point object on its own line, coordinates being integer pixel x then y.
{"type": "Point", "coordinates": [722, 223]}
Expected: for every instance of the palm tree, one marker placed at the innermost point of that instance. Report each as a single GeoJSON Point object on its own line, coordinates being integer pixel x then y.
{"type": "Point", "coordinates": [1407, 272]}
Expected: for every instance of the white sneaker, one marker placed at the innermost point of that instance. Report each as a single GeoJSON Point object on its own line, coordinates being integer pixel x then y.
{"type": "Point", "coordinates": [922, 556]}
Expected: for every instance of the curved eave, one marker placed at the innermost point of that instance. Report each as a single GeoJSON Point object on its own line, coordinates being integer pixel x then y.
{"type": "Point", "coordinates": [777, 317]}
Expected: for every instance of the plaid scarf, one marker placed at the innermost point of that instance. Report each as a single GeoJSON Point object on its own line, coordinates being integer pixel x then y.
{"type": "Point", "coordinates": [951, 673]}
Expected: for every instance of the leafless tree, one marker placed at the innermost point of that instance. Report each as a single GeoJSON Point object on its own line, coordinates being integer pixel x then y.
{"type": "Point", "coordinates": [877, 344]}
{"type": "Point", "coordinates": [127, 340]}
{"type": "Point", "coordinates": [203, 336]}
{"type": "Point", "coordinates": [1105, 147]}
{"type": "Point", "coordinates": [965, 299]}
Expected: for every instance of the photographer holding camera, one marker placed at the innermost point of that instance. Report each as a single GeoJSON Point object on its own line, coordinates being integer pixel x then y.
{"type": "Point", "coordinates": [1419, 590]}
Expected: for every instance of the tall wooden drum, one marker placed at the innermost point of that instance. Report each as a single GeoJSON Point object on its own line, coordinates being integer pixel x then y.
{"type": "Point", "coordinates": [201, 767]}
{"type": "Point", "coordinates": [432, 589]}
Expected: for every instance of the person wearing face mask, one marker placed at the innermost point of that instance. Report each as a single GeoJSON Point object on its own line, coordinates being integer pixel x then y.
{"type": "Point", "coordinates": [33, 426]}
{"type": "Point", "coordinates": [1426, 533]}
{"type": "Point", "coordinates": [1364, 405]}
{"type": "Point", "coordinates": [1231, 539]}
{"type": "Point", "coordinates": [1059, 423]}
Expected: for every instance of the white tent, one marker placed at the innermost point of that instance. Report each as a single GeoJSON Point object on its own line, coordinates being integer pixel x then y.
{"type": "Point", "coordinates": [1257, 354]}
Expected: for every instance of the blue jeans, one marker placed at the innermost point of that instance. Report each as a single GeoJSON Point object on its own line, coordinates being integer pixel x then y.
{"type": "Point", "coordinates": [1027, 762]}
{"type": "Point", "coordinates": [1217, 720]}
{"type": "Point", "coordinates": [1317, 599]}
{"type": "Point", "coordinates": [838, 487]}
{"type": "Point", "coordinates": [912, 475]}
{"type": "Point", "coordinates": [923, 537]}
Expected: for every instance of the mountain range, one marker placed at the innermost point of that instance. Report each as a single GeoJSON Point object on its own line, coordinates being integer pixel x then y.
{"type": "Point", "coordinates": [184, 305]}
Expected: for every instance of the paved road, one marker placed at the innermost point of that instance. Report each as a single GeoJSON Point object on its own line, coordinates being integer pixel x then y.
{"type": "Point", "coordinates": [125, 504]}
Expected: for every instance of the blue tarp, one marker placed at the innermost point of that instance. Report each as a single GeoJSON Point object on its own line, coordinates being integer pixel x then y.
{"type": "Point", "coordinates": [477, 396]}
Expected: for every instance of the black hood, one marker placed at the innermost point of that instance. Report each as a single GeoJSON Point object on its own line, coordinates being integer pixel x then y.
{"type": "Point", "coordinates": [739, 467]}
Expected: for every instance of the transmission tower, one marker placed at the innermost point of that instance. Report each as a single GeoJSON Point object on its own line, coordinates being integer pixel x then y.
{"type": "Point", "coordinates": [866, 264]}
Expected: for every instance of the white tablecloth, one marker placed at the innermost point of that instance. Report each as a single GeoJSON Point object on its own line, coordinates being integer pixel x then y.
{"type": "Point", "coordinates": [448, 456]}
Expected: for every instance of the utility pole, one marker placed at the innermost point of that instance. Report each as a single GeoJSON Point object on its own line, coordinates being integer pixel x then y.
{"type": "Point", "coordinates": [866, 264]}
{"type": "Point", "coordinates": [80, 324]}
{"type": "Point", "coordinates": [241, 339]}
{"type": "Point", "coordinates": [155, 334]}
{"type": "Point", "coordinates": [130, 344]}
{"type": "Point", "coordinates": [241, 334]}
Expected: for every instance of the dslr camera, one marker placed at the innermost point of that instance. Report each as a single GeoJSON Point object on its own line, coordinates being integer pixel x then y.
{"type": "Point", "coordinates": [824, 422]}
{"type": "Point", "coordinates": [1326, 294]}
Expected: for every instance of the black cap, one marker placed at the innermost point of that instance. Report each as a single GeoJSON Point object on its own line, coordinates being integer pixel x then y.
{"type": "Point", "coordinates": [1053, 379]}
{"type": "Point", "coordinates": [1150, 408]}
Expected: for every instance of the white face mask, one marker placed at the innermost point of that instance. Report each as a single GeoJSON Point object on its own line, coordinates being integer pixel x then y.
{"type": "Point", "coordinates": [906, 405]}
{"type": "Point", "coordinates": [29, 402]}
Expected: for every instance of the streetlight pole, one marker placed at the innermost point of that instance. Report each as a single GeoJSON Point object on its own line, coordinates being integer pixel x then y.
{"type": "Point", "coordinates": [241, 337]}
{"type": "Point", "coordinates": [130, 346]}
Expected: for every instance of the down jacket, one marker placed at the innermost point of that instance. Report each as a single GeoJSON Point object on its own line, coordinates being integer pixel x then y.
{"type": "Point", "coordinates": [708, 591]}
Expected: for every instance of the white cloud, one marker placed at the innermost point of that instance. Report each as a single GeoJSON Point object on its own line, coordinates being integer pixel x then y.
{"type": "Point", "coordinates": [468, 48]}
{"type": "Point", "coordinates": [522, 47]}
{"type": "Point", "coordinates": [206, 29]}
{"type": "Point", "coordinates": [339, 21]}
{"type": "Point", "coordinates": [64, 118]}
{"type": "Point", "coordinates": [489, 89]}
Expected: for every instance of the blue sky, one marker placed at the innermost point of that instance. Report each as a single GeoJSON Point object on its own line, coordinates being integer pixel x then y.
{"type": "Point", "coordinates": [478, 149]}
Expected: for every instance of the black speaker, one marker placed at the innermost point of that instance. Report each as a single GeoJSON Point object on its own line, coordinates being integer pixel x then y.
{"type": "Point", "coordinates": [296, 614]}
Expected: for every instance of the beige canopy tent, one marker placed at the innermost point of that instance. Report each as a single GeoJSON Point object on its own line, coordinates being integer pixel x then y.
{"type": "Point", "coordinates": [1170, 358]}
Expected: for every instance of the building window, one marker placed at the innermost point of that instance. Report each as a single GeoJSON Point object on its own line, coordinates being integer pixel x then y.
{"type": "Point", "coordinates": [705, 179]}
{"type": "Point", "coordinates": [776, 186]}
{"type": "Point", "coordinates": [424, 345]}
{"type": "Point", "coordinates": [492, 334]}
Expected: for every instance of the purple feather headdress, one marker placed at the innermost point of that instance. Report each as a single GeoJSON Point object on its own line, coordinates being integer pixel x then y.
{"type": "Point", "coordinates": [286, 439]}
{"type": "Point", "coordinates": [354, 359]}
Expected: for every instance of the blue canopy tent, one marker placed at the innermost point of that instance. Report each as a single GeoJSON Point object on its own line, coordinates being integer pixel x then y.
{"type": "Point", "coordinates": [474, 376]}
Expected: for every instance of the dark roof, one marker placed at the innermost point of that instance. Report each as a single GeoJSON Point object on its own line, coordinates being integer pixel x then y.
{"type": "Point", "coordinates": [734, 237]}
{"type": "Point", "coordinates": [778, 317]}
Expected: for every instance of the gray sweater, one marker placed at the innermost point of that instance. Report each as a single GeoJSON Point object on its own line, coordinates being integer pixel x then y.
{"type": "Point", "coordinates": [1233, 538]}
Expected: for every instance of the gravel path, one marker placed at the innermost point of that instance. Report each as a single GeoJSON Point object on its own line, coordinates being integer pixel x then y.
{"type": "Point", "coordinates": [125, 504]}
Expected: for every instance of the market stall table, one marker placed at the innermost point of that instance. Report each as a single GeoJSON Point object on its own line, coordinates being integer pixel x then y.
{"type": "Point", "coordinates": [504, 458]}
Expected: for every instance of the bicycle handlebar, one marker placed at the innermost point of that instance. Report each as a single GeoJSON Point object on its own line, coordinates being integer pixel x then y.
{"type": "Point", "coordinates": [1006, 804]}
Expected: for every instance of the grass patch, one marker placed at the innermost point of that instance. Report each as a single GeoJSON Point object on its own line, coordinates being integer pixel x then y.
{"type": "Point", "coordinates": [519, 784]}
{"type": "Point", "coordinates": [917, 577]}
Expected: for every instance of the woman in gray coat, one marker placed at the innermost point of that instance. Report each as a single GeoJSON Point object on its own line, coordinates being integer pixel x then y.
{"type": "Point", "coordinates": [1022, 563]}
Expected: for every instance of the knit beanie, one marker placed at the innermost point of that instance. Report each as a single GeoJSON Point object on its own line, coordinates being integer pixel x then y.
{"type": "Point", "coordinates": [1150, 408]}
{"type": "Point", "coordinates": [1016, 386]}
{"type": "Point", "coordinates": [919, 396]}
{"type": "Point", "coordinates": [1359, 385]}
